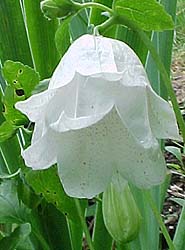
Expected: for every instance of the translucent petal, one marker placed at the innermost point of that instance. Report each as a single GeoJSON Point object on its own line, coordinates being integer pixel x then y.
{"type": "Point", "coordinates": [88, 55]}
{"type": "Point", "coordinates": [42, 153]}
{"type": "Point", "coordinates": [142, 166]}
{"type": "Point", "coordinates": [85, 161]}
{"type": "Point", "coordinates": [162, 117]}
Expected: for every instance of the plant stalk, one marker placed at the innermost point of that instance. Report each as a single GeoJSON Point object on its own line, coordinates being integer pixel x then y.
{"type": "Point", "coordinates": [84, 225]}
{"type": "Point", "coordinates": [81, 6]}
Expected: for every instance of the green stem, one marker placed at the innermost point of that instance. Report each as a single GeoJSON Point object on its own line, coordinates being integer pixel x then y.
{"type": "Point", "coordinates": [159, 219]}
{"type": "Point", "coordinates": [105, 25]}
{"type": "Point", "coordinates": [122, 20]}
{"type": "Point", "coordinates": [84, 225]}
{"type": "Point", "coordinates": [94, 5]}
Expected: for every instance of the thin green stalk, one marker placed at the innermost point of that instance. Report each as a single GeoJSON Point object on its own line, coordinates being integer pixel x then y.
{"type": "Point", "coordinates": [156, 57]}
{"type": "Point", "coordinates": [84, 225]}
{"type": "Point", "coordinates": [159, 220]}
{"type": "Point", "coordinates": [94, 5]}
{"type": "Point", "coordinates": [108, 23]}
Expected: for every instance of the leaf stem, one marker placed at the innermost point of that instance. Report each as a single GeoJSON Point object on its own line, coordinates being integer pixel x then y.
{"type": "Point", "coordinates": [159, 219]}
{"type": "Point", "coordinates": [94, 5]}
{"type": "Point", "coordinates": [83, 223]}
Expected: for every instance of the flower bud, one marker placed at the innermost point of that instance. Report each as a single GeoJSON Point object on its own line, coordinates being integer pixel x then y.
{"type": "Point", "coordinates": [58, 8]}
{"type": "Point", "coordinates": [120, 212]}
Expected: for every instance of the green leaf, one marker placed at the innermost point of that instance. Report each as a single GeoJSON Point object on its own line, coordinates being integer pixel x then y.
{"type": "Point", "coordinates": [56, 228]}
{"type": "Point", "coordinates": [146, 14]}
{"type": "Point", "coordinates": [79, 25]}
{"type": "Point", "coordinates": [47, 184]}
{"type": "Point", "coordinates": [14, 43]}
{"type": "Point", "coordinates": [179, 237]}
{"type": "Point", "coordinates": [7, 130]}
{"type": "Point", "coordinates": [11, 211]}
{"type": "Point", "coordinates": [179, 201]}
{"type": "Point", "coordinates": [21, 77]}
{"type": "Point", "coordinates": [16, 238]}
{"type": "Point", "coordinates": [175, 151]}
{"type": "Point", "coordinates": [100, 232]}
{"type": "Point", "coordinates": [41, 34]}
{"type": "Point", "coordinates": [62, 36]}
{"type": "Point", "coordinates": [11, 114]}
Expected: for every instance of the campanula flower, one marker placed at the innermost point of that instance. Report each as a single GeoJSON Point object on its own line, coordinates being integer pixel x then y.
{"type": "Point", "coordinates": [99, 116]}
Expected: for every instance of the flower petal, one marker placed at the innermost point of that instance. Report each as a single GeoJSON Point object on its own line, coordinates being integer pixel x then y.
{"type": "Point", "coordinates": [34, 106]}
{"type": "Point", "coordinates": [162, 117]}
{"type": "Point", "coordinates": [85, 161]}
{"type": "Point", "coordinates": [143, 166]}
{"type": "Point", "coordinates": [90, 100]}
{"type": "Point", "coordinates": [42, 153]}
{"type": "Point", "coordinates": [131, 104]}
{"type": "Point", "coordinates": [88, 55]}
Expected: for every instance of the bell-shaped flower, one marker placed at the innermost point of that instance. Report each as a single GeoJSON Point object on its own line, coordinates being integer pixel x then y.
{"type": "Point", "coordinates": [99, 116]}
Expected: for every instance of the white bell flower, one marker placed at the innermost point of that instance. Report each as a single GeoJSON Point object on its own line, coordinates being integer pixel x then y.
{"type": "Point", "coordinates": [99, 116]}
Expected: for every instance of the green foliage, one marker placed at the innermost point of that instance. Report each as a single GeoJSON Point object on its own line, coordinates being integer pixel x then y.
{"type": "Point", "coordinates": [20, 77]}
{"type": "Point", "coordinates": [21, 80]}
{"type": "Point", "coordinates": [146, 14]}
{"type": "Point", "coordinates": [47, 184]}
{"type": "Point", "coordinates": [7, 130]}
{"type": "Point", "coordinates": [16, 238]}
{"type": "Point", "coordinates": [11, 211]}
{"type": "Point", "coordinates": [179, 238]}
{"type": "Point", "coordinates": [62, 36]}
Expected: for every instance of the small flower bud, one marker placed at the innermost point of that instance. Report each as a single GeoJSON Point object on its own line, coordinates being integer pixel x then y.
{"type": "Point", "coordinates": [58, 8]}
{"type": "Point", "coordinates": [120, 212]}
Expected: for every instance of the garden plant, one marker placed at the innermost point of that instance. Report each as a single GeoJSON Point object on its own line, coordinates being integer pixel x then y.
{"type": "Point", "coordinates": [87, 112]}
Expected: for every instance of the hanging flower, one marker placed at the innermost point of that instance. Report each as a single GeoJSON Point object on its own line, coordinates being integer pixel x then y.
{"type": "Point", "coordinates": [99, 117]}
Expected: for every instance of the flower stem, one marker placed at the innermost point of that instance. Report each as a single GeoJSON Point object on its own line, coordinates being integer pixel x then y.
{"type": "Point", "coordinates": [105, 25]}
{"type": "Point", "coordinates": [159, 219]}
{"type": "Point", "coordinates": [83, 223]}
{"type": "Point", "coordinates": [94, 5]}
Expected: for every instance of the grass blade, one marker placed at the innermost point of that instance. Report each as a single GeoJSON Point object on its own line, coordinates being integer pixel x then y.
{"type": "Point", "coordinates": [41, 35]}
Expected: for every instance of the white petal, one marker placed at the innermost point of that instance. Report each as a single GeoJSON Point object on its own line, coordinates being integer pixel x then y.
{"type": "Point", "coordinates": [88, 55]}
{"type": "Point", "coordinates": [34, 106]}
{"type": "Point", "coordinates": [162, 117]}
{"type": "Point", "coordinates": [39, 130]}
{"type": "Point", "coordinates": [131, 104]}
{"type": "Point", "coordinates": [142, 166]}
{"type": "Point", "coordinates": [127, 62]}
{"type": "Point", "coordinates": [85, 161]}
{"type": "Point", "coordinates": [87, 101]}
{"type": "Point", "coordinates": [42, 153]}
